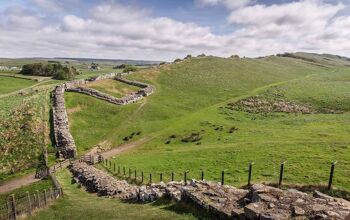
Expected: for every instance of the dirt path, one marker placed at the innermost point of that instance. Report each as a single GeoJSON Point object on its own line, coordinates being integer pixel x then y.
{"type": "Point", "coordinates": [18, 182]}
{"type": "Point", "coordinates": [125, 147]}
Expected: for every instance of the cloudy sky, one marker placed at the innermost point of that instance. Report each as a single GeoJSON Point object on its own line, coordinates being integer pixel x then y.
{"type": "Point", "coordinates": [167, 29]}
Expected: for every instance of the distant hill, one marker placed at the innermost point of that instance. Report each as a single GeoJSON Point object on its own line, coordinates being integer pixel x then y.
{"type": "Point", "coordinates": [112, 61]}
{"type": "Point", "coordinates": [327, 59]}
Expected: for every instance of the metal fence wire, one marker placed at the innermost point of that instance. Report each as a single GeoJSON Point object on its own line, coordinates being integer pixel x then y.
{"type": "Point", "coordinates": [24, 205]}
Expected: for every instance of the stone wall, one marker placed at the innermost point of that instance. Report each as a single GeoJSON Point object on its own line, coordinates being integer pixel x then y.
{"type": "Point", "coordinates": [64, 140]}
{"type": "Point", "coordinates": [223, 202]}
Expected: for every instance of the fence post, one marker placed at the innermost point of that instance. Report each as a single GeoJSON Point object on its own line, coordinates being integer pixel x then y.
{"type": "Point", "coordinates": [222, 177]}
{"type": "Point", "coordinates": [250, 172]}
{"type": "Point", "coordinates": [150, 178]}
{"type": "Point", "coordinates": [38, 197]}
{"type": "Point", "coordinates": [29, 204]}
{"type": "Point", "coordinates": [142, 177]}
{"type": "Point", "coordinates": [185, 177]}
{"type": "Point", "coordinates": [110, 164]}
{"type": "Point", "coordinates": [8, 209]}
{"type": "Point", "coordinates": [172, 176]}
{"type": "Point", "coordinates": [45, 201]}
{"type": "Point", "coordinates": [281, 175]}
{"type": "Point", "coordinates": [202, 175]}
{"type": "Point", "coordinates": [13, 206]}
{"type": "Point", "coordinates": [161, 177]}
{"type": "Point", "coordinates": [135, 174]}
{"type": "Point", "coordinates": [51, 194]}
{"type": "Point", "coordinates": [114, 167]}
{"type": "Point", "coordinates": [331, 176]}
{"type": "Point", "coordinates": [124, 170]}
{"type": "Point", "coordinates": [129, 172]}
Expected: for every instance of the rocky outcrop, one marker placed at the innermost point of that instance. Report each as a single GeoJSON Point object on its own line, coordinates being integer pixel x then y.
{"type": "Point", "coordinates": [223, 202]}
{"type": "Point", "coordinates": [64, 140]}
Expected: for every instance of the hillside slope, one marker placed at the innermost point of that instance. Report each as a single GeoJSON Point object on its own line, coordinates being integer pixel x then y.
{"type": "Point", "coordinates": [191, 127]}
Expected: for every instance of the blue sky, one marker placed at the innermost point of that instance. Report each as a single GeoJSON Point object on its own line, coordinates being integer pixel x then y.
{"type": "Point", "coordinates": [167, 29]}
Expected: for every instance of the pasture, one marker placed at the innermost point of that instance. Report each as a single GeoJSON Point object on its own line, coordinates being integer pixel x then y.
{"type": "Point", "coordinates": [191, 101]}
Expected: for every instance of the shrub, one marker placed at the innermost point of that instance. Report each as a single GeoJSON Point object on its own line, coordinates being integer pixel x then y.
{"type": "Point", "coordinates": [177, 60]}
{"type": "Point", "coordinates": [121, 66]}
{"type": "Point", "coordinates": [55, 70]}
{"type": "Point", "coordinates": [189, 56]}
{"type": "Point", "coordinates": [129, 68]}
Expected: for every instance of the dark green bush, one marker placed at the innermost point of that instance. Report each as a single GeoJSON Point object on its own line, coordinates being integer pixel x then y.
{"type": "Point", "coordinates": [55, 70]}
{"type": "Point", "coordinates": [129, 69]}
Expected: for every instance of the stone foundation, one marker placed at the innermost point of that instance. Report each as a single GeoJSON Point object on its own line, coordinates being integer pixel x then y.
{"type": "Point", "coordinates": [223, 202]}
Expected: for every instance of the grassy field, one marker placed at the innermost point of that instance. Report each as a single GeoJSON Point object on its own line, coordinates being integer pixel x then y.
{"type": "Point", "coordinates": [113, 87]}
{"type": "Point", "coordinates": [11, 84]}
{"type": "Point", "coordinates": [78, 204]}
{"type": "Point", "coordinates": [190, 105]}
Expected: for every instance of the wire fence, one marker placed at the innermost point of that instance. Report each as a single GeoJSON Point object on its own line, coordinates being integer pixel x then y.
{"type": "Point", "coordinates": [24, 205]}
{"type": "Point", "coordinates": [141, 177]}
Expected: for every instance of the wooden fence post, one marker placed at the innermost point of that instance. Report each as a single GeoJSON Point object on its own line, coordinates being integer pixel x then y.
{"type": "Point", "coordinates": [114, 167]}
{"type": "Point", "coordinates": [38, 197]}
{"type": "Point", "coordinates": [142, 177]}
{"type": "Point", "coordinates": [124, 170]}
{"type": "Point", "coordinates": [150, 178]}
{"type": "Point", "coordinates": [222, 177]}
{"type": "Point", "coordinates": [135, 172]}
{"type": "Point", "coordinates": [281, 175]}
{"type": "Point", "coordinates": [202, 175]}
{"type": "Point", "coordinates": [161, 177]}
{"type": "Point", "coordinates": [172, 176]}
{"type": "Point", "coordinates": [250, 172]}
{"type": "Point", "coordinates": [13, 207]}
{"type": "Point", "coordinates": [185, 177]}
{"type": "Point", "coordinates": [118, 169]}
{"type": "Point", "coordinates": [9, 208]}
{"type": "Point", "coordinates": [45, 199]}
{"type": "Point", "coordinates": [129, 172]}
{"type": "Point", "coordinates": [29, 204]}
{"type": "Point", "coordinates": [331, 176]}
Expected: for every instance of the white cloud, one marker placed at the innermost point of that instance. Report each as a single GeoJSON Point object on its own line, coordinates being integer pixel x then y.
{"type": "Point", "coordinates": [230, 4]}
{"type": "Point", "coordinates": [48, 5]}
{"type": "Point", "coordinates": [116, 31]}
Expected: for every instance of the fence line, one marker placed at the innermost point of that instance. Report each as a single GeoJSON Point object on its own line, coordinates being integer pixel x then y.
{"type": "Point", "coordinates": [112, 168]}
{"type": "Point", "coordinates": [24, 205]}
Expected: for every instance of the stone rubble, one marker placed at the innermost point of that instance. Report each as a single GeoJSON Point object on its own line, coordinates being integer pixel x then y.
{"type": "Point", "coordinates": [223, 202]}
{"type": "Point", "coordinates": [64, 140]}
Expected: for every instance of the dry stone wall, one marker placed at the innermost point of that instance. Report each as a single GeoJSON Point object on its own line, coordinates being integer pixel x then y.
{"type": "Point", "coordinates": [64, 140]}
{"type": "Point", "coordinates": [223, 202]}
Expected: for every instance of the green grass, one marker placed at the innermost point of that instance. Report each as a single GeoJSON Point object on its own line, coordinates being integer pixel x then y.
{"type": "Point", "coordinates": [78, 204]}
{"type": "Point", "coordinates": [191, 96]}
{"type": "Point", "coordinates": [11, 84]}
{"type": "Point", "coordinates": [32, 188]}
{"type": "Point", "coordinates": [113, 87]}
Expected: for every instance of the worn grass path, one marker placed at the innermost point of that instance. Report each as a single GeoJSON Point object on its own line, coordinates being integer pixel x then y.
{"type": "Point", "coordinates": [78, 204]}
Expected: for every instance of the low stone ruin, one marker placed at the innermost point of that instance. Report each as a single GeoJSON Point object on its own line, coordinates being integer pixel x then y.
{"type": "Point", "coordinates": [224, 202]}
{"type": "Point", "coordinates": [64, 140]}
{"type": "Point", "coordinates": [131, 98]}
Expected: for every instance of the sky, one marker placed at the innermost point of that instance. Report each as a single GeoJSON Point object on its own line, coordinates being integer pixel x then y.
{"type": "Point", "coordinates": [168, 29]}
